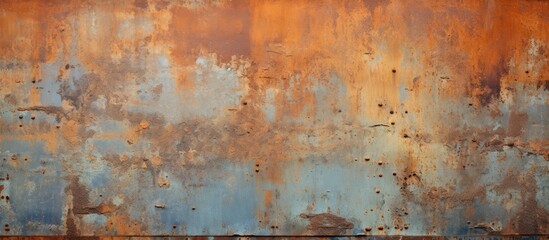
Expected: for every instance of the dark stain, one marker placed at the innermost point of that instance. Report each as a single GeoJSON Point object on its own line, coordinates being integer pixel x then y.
{"type": "Point", "coordinates": [141, 4]}
{"type": "Point", "coordinates": [543, 84]}
{"type": "Point", "coordinates": [327, 224]}
{"type": "Point", "coordinates": [58, 111]}
{"type": "Point", "coordinates": [10, 99]}
{"type": "Point", "coordinates": [72, 230]}
{"type": "Point", "coordinates": [491, 84]}
{"type": "Point", "coordinates": [80, 197]}
{"type": "Point", "coordinates": [373, 4]}
{"type": "Point", "coordinates": [162, 5]}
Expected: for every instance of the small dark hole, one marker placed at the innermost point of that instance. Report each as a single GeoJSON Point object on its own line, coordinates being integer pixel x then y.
{"type": "Point", "coordinates": [394, 174]}
{"type": "Point", "coordinates": [527, 72]}
{"type": "Point", "coordinates": [57, 126]}
{"type": "Point", "coordinates": [391, 112]}
{"type": "Point", "coordinates": [380, 175]}
{"type": "Point", "coordinates": [67, 66]}
{"type": "Point", "coordinates": [257, 170]}
{"type": "Point", "coordinates": [393, 123]}
{"type": "Point", "coordinates": [380, 228]}
{"type": "Point", "coordinates": [33, 117]}
{"type": "Point", "coordinates": [20, 125]}
{"type": "Point", "coordinates": [406, 111]}
{"type": "Point", "coordinates": [193, 208]}
{"type": "Point", "coordinates": [380, 105]}
{"type": "Point", "coordinates": [20, 117]}
{"type": "Point", "coordinates": [174, 227]}
{"type": "Point", "coordinates": [245, 103]}
{"type": "Point", "coordinates": [366, 159]}
{"type": "Point", "coordinates": [394, 70]}
{"type": "Point", "coordinates": [33, 81]}
{"type": "Point", "coordinates": [406, 136]}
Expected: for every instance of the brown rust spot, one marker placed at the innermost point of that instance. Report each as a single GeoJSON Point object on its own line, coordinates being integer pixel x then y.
{"type": "Point", "coordinates": [57, 111]}
{"type": "Point", "coordinates": [327, 224]}
{"type": "Point", "coordinates": [517, 123]}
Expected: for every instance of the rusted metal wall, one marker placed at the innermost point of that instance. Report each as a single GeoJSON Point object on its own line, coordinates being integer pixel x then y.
{"type": "Point", "coordinates": [157, 117]}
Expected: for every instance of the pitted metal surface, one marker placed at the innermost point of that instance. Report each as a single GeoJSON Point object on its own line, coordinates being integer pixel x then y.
{"type": "Point", "coordinates": [274, 118]}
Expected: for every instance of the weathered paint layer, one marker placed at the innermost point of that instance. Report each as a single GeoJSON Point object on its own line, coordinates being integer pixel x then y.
{"type": "Point", "coordinates": [157, 117]}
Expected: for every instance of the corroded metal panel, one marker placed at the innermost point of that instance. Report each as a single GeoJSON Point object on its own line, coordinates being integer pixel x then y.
{"type": "Point", "coordinates": [157, 117]}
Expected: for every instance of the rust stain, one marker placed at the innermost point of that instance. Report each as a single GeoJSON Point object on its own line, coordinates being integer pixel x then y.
{"type": "Point", "coordinates": [327, 224]}
{"type": "Point", "coordinates": [156, 117]}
